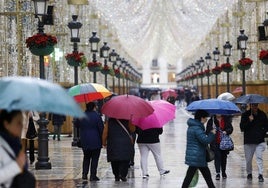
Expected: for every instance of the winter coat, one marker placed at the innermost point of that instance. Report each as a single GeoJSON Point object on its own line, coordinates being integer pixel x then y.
{"type": "Point", "coordinates": [119, 145]}
{"type": "Point", "coordinates": [197, 141]}
{"type": "Point", "coordinates": [91, 128]}
{"type": "Point", "coordinates": [57, 119]}
{"type": "Point", "coordinates": [9, 168]}
{"type": "Point", "coordinates": [254, 131]}
{"type": "Point", "coordinates": [148, 135]}
{"type": "Point", "coordinates": [228, 128]}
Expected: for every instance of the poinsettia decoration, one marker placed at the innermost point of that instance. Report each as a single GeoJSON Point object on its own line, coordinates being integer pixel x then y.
{"type": "Point", "coordinates": [227, 67]}
{"type": "Point", "coordinates": [94, 66]}
{"type": "Point", "coordinates": [207, 72]}
{"type": "Point", "coordinates": [216, 70]}
{"type": "Point", "coordinates": [118, 74]}
{"type": "Point", "coordinates": [40, 40]}
{"type": "Point", "coordinates": [263, 54]}
{"type": "Point", "coordinates": [107, 70]}
{"type": "Point", "coordinates": [245, 62]}
{"type": "Point", "coordinates": [76, 59]}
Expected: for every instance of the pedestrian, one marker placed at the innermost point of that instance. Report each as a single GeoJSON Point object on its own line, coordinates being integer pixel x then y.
{"type": "Point", "coordinates": [254, 124]}
{"type": "Point", "coordinates": [148, 140]}
{"type": "Point", "coordinates": [223, 125]}
{"type": "Point", "coordinates": [57, 122]}
{"type": "Point", "coordinates": [119, 144]}
{"type": "Point", "coordinates": [197, 141]}
{"type": "Point", "coordinates": [13, 160]}
{"type": "Point", "coordinates": [91, 129]}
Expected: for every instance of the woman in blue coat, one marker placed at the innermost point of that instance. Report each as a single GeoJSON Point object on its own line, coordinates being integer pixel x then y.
{"type": "Point", "coordinates": [197, 141]}
{"type": "Point", "coordinates": [91, 128]}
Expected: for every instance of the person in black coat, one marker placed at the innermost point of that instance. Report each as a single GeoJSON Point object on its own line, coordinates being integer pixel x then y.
{"type": "Point", "coordinates": [119, 144]}
{"type": "Point", "coordinates": [254, 124]}
{"type": "Point", "coordinates": [91, 128]}
{"type": "Point", "coordinates": [148, 140]}
{"type": "Point", "coordinates": [57, 122]}
{"type": "Point", "coordinates": [223, 125]}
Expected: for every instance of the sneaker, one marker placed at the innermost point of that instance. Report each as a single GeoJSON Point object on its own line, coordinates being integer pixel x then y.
{"type": "Point", "coordinates": [123, 178]}
{"type": "Point", "coordinates": [249, 177]}
{"type": "Point", "coordinates": [165, 172]}
{"type": "Point", "coordinates": [261, 178]}
{"type": "Point", "coordinates": [94, 178]}
{"type": "Point", "coordinates": [224, 175]}
{"type": "Point", "coordinates": [218, 177]}
{"type": "Point", "coordinates": [146, 176]}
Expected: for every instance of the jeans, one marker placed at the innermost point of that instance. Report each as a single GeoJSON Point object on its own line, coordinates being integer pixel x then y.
{"type": "Point", "coordinates": [190, 174]}
{"type": "Point", "coordinates": [220, 160]}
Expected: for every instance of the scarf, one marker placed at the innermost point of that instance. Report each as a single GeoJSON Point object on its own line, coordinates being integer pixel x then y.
{"type": "Point", "coordinates": [13, 142]}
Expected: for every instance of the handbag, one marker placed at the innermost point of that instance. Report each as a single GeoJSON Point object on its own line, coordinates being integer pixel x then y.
{"type": "Point", "coordinates": [210, 155]}
{"type": "Point", "coordinates": [31, 131]}
{"type": "Point", "coordinates": [226, 142]}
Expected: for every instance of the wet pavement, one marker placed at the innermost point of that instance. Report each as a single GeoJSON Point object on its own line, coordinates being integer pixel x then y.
{"type": "Point", "coordinates": [67, 163]}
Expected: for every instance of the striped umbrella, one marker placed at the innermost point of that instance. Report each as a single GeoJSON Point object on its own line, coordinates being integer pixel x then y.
{"type": "Point", "coordinates": [87, 92]}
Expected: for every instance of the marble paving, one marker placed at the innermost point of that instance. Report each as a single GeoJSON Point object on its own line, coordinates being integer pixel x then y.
{"type": "Point", "coordinates": [67, 162]}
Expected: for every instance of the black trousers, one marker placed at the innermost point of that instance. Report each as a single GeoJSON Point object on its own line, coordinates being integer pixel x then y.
{"type": "Point", "coordinates": [31, 150]}
{"type": "Point", "coordinates": [91, 157]}
{"type": "Point", "coordinates": [120, 168]}
{"type": "Point", "coordinates": [220, 160]}
{"type": "Point", "coordinates": [190, 174]}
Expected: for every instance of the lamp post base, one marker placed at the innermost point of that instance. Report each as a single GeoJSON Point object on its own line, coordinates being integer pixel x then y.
{"type": "Point", "coordinates": [42, 165]}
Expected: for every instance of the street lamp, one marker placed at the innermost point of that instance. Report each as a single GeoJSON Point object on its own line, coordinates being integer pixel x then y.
{"type": "Point", "coordinates": [196, 67]}
{"type": "Point", "coordinates": [216, 54]}
{"type": "Point", "coordinates": [104, 52]}
{"type": "Point", "coordinates": [242, 45]}
{"type": "Point", "coordinates": [118, 63]}
{"type": "Point", "coordinates": [123, 65]}
{"type": "Point", "coordinates": [40, 7]}
{"type": "Point", "coordinates": [227, 52]}
{"type": "Point", "coordinates": [94, 41]}
{"type": "Point", "coordinates": [74, 27]}
{"type": "Point", "coordinates": [201, 65]}
{"type": "Point", "coordinates": [112, 57]}
{"type": "Point", "coordinates": [208, 59]}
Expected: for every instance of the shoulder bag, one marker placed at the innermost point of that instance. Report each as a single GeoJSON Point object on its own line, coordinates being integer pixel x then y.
{"type": "Point", "coordinates": [226, 142]}
{"type": "Point", "coordinates": [210, 155]}
{"type": "Point", "coordinates": [131, 138]}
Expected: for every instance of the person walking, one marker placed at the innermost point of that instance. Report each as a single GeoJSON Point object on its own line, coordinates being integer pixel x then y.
{"type": "Point", "coordinates": [119, 144]}
{"type": "Point", "coordinates": [57, 122]}
{"type": "Point", "coordinates": [223, 125]}
{"type": "Point", "coordinates": [148, 140]}
{"type": "Point", "coordinates": [254, 124]}
{"type": "Point", "coordinates": [197, 141]}
{"type": "Point", "coordinates": [13, 159]}
{"type": "Point", "coordinates": [91, 129]}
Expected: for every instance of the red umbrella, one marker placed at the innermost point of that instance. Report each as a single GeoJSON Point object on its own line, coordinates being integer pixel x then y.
{"type": "Point", "coordinates": [238, 90]}
{"type": "Point", "coordinates": [127, 107]}
{"type": "Point", "coordinates": [163, 113]}
{"type": "Point", "coordinates": [169, 93]}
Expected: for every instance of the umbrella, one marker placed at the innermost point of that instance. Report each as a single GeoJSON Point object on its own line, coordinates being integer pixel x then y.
{"type": "Point", "coordinates": [251, 98]}
{"type": "Point", "coordinates": [26, 93]}
{"type": "Point", "coordinates": [226, 96]}
{"type": "Point", "coordinates": [88, 92]}
{"type": "Point", "coordinates": [127, 107]}
{"type": "Point", "coordinates": [163, 113]}
{"type": "Point", "coordinates": [169, 93]}
{"type": "Point", "coordinates": [214, 106]}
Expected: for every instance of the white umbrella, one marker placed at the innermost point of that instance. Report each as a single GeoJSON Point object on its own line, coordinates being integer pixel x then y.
{"type": "Point", "coordinates": [226, 96]}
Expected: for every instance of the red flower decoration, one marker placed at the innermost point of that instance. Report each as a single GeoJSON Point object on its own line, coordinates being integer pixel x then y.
{"type": "Point", "coordinates": [263, 54]}
{"type": "Point", "coordinates": [41, 40]}
{"type": "Point", "coordinates": [245, 62]}
{"type": "Point", "coordinates": [216, 70]}
{"type": "Point", "coordinates": [75, 55]}
{"type": "Point", "coordinates": [93, 64]}
{"type": "Point", "coordinates": [226, 66]}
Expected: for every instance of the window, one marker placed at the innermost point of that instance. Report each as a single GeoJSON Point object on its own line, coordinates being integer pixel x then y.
{"type": "Point", "coordinates": [155, 78]}
{"type": "Point", "coordinates": [171, 77]}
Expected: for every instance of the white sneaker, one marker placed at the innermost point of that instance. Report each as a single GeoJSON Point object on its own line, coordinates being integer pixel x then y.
{"type": "Point", "coordinates": [165, 172]}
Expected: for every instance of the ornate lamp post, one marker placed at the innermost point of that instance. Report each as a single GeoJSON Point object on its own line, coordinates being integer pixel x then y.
{"type": "Point", "coordinates": [104, 52]}
{"type": "Point", "coordinates": [94, 41]}
{"type": "Point", "coordinates": [124, 64]}
{"type": "Point", "coordinates": [113, 56]}
{"type": "Point", "coordinates": [118, 63]}
{"type": "Point", "coordinates": [201, 65]}
{"type": "Point", "coordinates": [196, 67]}
{"type": "Point", "coordinates": [74, 26]}
{"type": "Point", "coordinates": [216, 54]}
{"type": "Point", "coordinates": [208, 59]}
{"type": "Point", "coordinates": [242, 45]}
{"type": "Point", "coordinates": [40, 7]}
{"type": "Point", "coordinates": [227, 52]}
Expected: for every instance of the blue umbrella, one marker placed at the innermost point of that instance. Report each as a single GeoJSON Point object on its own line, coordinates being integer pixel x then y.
{"type": "Point", "coordinates": [26, 93]}
{"type": "Point", "coordinates": [214, 106]}
{"type": "Point", "coordinates": [251, 99]}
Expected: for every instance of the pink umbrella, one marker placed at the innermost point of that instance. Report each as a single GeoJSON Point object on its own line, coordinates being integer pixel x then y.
{"type": "Point", "coordinates": [127, 107]}
{"type": "Point", "coordinates": [169, 93]}
{"type": "Point", "coordinates": [163, 113]}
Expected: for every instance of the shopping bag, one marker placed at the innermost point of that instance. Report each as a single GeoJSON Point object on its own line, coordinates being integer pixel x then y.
{"type": "Point", "coordinates": [210, 155]}
{"type": "Point", "coordinates": [195, 179]}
